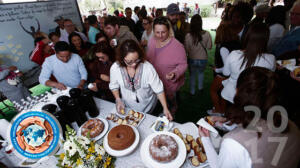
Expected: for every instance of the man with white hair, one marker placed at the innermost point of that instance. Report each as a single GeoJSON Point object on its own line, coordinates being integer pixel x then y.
{"type": "Point", "coordinates": [288, 4]}
{"type": "Point", "coordinates": [261, 11]}
{"type": "Point", "coordinates": [291, 40]}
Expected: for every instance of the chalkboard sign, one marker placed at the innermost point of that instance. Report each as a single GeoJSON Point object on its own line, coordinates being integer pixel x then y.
{"type": "Point", "coordinates": [18, 22]}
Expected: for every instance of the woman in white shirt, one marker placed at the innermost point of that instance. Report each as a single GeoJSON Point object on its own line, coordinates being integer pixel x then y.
{"type": "Point", "coordinates": [136, 80]}
{"type": "Point", "coordinates": [148, 33]}
{"type": "Point", "coordinates": [254, 54]}
{"type": "Point", "coordinates": [244, 146]}
{"type": "Point", "coordinates": [226, 41]}
{"type": "Point", "coordinates": [276, 22]}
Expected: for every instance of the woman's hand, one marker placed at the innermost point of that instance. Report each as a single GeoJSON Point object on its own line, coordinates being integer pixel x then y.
{"type": "Point", "coordinates": [203, 132]}
{"type": "Point", "coordinates": [170, 76]}
{"type": "Point", "coordinates": [168, 114]}
{"type": "Point", "coordinates": [144, 43]}
{"type": "Point", "coordinates": [60, 86]}
{"type": "Point", "coordinates": [279, 67]}
{"type": "Point", "coordinates": [94, 88]}
{"type": "Point", "coordinates": [113, 43]}
{"type": "Point", "coordinates": [120, 106]}
{"type": "Point", "coordinates": [104, 77]}
{"type": "Point", "coordinates": [219, 119]}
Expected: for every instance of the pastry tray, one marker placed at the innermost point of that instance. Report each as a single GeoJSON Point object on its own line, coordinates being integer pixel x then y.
{"type": "Point", "coordinates": [134, 119]}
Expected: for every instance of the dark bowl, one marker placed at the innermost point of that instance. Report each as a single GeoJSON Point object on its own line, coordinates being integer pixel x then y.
{"type": "Point", "coordinates": [75, 92]}
{"type": "Point", "coordinates": [51, 108]}
{"type": "Point", "coordinates": [62, 101]}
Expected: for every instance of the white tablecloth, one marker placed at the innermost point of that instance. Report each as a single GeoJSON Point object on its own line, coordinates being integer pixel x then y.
{"type": "Point", "coordinates": [130, 161]}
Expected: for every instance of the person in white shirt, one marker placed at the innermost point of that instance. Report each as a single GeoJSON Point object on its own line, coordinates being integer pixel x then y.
{"type": "Point", "coordinates": [275, 20]}
{"type": "Point", "coordinates": [70, 27]}
{"type": "Point", "coordinates": [60, 30]}
{"type": "Point", "coordinates": [197, 9]}
{"type": "Point", "coordinates": [135, 17]}
{"type": "Point", "coordinates": [136, 80]}
{"type": "Point", "coordinates": [226, 41]}
{"type": "Point", "coordinates": [148, 33]}
{"type": "Point", "coordinates": [244, 147]}
{"type": "Point", "coordinates": [253, 54]}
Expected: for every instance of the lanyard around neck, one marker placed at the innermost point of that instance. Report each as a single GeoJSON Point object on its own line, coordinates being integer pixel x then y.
{"type": "Point", "coordinates": [131, 80]}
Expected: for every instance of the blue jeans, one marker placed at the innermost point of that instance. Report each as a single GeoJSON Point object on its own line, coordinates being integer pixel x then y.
{"type": "Point", "coordinates": [197, 68]}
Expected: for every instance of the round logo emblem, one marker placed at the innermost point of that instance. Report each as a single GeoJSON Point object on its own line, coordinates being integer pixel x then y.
{"type": "Point", "coordinates": [35, 134]}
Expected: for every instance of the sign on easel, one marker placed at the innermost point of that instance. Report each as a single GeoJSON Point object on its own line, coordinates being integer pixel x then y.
{"type": "Point", "coordinates": [19, 21]}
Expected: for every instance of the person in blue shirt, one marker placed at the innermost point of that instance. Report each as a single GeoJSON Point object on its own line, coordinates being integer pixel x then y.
{"type": "Point", "coordinates": [93, 30]}
{"type": "Point", "coordinates": [68, 69]}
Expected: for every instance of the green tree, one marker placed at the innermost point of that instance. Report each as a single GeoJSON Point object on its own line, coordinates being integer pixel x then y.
{"type": "Point", "coordinates": [91, 5]}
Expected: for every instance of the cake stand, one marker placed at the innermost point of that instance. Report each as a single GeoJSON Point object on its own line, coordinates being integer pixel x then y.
{"type": "Point", "coordinates": [147, 158]}
{"type": "Point", "coordinates": [119, 153]}
{"type": "Point", "coordinates": [105, 129]}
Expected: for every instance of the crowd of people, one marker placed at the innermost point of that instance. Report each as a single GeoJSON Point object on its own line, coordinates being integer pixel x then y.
{"type": "Point", "coordinates": [246, 75]}
{"type": "Point", "coordinates": [139, 61]}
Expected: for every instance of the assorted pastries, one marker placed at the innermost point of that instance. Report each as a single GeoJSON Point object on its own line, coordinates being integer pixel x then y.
{"type": "Point", "coordinates": [93, 126]}
{"type": "Point", "coordinates": [163, 148]}
{"type": "Point", "coordinates": [195, 145]}
{"type": "Point", "coordinates": [122, 111]}
{"type": "Point", "coordinates": [297, 72]}
{"type": "Point", "coordinates": [286, 62]}
{"type": "Point", "coordinates": [194, 160]}
{"type": "Point", "coordinates": [132, 118]}
{"type": "Point", "coordinates": [209, 120]}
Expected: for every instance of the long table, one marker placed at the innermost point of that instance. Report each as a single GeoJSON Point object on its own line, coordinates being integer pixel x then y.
{"type": "Point", "coordinates": [132, 160]}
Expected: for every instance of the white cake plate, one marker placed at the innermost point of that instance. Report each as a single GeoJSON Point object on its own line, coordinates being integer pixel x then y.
{"type": "Point", "coordinates": [147, 158]}
{"type": "Point", "coordinates": [119, 153]}
{"type": "Point", "coordinates": [105, 129]}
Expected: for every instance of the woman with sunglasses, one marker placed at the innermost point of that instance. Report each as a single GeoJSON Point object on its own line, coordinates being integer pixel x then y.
{"type": "Point", "coordinates": [148, 33]}
{"type": "Point", "coordinates": [136, 80]}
